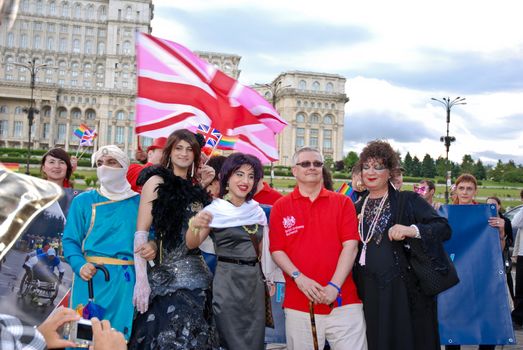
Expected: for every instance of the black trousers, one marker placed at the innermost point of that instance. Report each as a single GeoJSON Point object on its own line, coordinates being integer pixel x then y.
{"type": "Point", "coordinates": [517, 314]}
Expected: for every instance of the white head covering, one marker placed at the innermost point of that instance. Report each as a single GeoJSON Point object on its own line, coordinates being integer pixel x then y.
{"type": "Point", "coordinates": [51, 252]}
{"type": "Point", "coordinates": [113, 151]}
{"type": "Point", "coordinates": [113, 181]}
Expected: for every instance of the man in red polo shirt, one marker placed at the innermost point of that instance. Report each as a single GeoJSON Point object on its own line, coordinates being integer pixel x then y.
{"type": "Point", "coordinates": [154, 156]}
{"type": "Point", "coordinates": [314, 240]}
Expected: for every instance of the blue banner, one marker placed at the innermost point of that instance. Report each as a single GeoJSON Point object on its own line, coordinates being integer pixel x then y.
{"type": "Point", "coordinates": [476, 310]}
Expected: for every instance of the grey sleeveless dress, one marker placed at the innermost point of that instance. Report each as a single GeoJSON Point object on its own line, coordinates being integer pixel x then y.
{"type": "Point", "coordinates": [238, 291]}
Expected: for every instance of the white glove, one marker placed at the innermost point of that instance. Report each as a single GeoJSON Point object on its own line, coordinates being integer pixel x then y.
{"type": "Point", "coordinates": [142, 290]}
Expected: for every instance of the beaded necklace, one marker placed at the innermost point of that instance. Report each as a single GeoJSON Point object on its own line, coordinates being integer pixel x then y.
{"type": "Point", "coordinates": [251, 231]}
{"type": "Point", "coordinates": [372, 226]}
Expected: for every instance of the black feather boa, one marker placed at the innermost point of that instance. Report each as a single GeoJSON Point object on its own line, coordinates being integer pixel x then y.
{"type": "Point", "coordinates": [174, 205]}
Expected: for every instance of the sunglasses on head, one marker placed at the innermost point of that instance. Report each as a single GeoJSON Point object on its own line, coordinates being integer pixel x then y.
{"type": "Point", "coordinates": [307, 164]}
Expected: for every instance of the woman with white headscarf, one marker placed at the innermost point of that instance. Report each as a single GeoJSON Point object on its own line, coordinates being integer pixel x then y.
{"type": "Point", "coordinates": [100, 230]}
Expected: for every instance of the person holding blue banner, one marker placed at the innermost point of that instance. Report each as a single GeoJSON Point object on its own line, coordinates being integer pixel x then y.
{"type": "Point", "coordinates": [398, 314]}
{"type": "Point", "coordinates": [466, 188]}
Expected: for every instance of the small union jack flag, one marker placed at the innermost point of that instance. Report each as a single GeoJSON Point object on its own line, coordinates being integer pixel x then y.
{"type": "Point", "coordinates": [88, 137]}
{"type": "Point", "coordinates": [211, 135]}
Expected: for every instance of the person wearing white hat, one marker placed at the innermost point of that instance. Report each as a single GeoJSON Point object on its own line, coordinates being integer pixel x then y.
{"type": "Point", "coordinates": [42, 266]}
{"type": "Point", "coordinates": [100, 231]}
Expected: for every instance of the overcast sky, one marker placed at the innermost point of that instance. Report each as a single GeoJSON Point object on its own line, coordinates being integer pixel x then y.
{"type": "Point", "coordinates": [396, 55]}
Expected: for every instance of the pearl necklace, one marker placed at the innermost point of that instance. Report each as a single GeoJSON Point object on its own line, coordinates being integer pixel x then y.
{"type": "Point", "coordinates": [372, 226]}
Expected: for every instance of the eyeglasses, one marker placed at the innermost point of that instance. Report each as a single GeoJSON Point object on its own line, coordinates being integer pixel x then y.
{"type": "Point", "coordinates": [307, 164]}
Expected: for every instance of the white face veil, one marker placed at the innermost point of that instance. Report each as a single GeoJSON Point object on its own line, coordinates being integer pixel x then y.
{"type": "Point", "coordinates": [113, 181]}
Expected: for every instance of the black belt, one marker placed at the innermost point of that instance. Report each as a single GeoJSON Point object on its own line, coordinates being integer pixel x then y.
{"type": "Point", "coordinates": [237, 261]}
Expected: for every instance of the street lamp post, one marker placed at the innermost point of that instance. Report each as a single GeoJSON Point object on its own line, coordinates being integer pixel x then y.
{"type": "Point", "coordinates": [274, 89]}
{"type": "Point", "coordinates": [33, 68]}
{"type": "Point", "coordinates": [447, 140]}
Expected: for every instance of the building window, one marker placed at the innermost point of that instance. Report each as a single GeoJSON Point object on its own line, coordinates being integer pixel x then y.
{"type": "Point", "coordinates": [90, 114]}
{"type": "Point", "coordinates": [127, 48]}
{"type": "Point", "coordinates": [298, 103]}
{"type": "Point", "coordinates": [37, 42]}
{"type": "Point", "coordinates": [63, 44]}
{"type": "Point", "coordinates": [327, 139]}
{"type": "Point", "coordinates": [52, 8]}
{"type": "Point", "coordinates": [313, 137]}
{"type": "Point", "coordinates": [327, 119]}
{"type": "Point", "coordinates": [25, 5]}
{"type": "Point", "coordinates": [23, 41]}
{"type": "Point", "coordinates": [101, 48]}
{"type": "Point", "coordinates": [65, 10]}
{"type": "Point", "coordinates": [315, 119]}
{"type": "Point", "coordinates": [39, 7]}
{"type": "Point", "coordinates": [62, 113]}
{"type": "Point", "coordinates": [109, 139]}
{"type": "Point", "coordinates": [45, 131]}
{"type": "Point", "coordinates": [77, 11]}
{"type": "Point", "coordinates": [128, 13]}
{"type": "Point", "coordinates": [3, 128]}
{"type": "Point", "coordinates": [119, 137]}
{"type": "Point", "coordinates": [302, 85]}
{"type": "Point", "coordinates": [90, 12]}
{"type": "Point", "coordinates": [19, 128]}
{"type": "Point", "coordinates": [120, 115]}
{"type": "Point", "coordinates": [76, 46]}
{"type": "Point", "coordinates": [102, 13]}
{"type": "Point", "coordinates": [3, 109]}
{"type": "Point", "coordinates": [10, 39]}
{"type": "Point", "coordinates": [315, 86]}
{"type": "Point", "coordinates": [329, 87]}
{"type": "Point", "coordinates": [50, 27]}
{"type": "Point", "coordinates": [18, 110]}
{"type": "Point", "coordinates": [300, 118]}
{"type": "Point", "coordinates": [300, 137]}
{"type": "Point", "coordinates": [61, 132]}
{"type": "Point", "coordinates": [50, 43]}
{"type": "Point", "coordinates": [333, 106]}
{"type": "Point", "coordinates": [76, 113]}
{"type": "Point", "coordinates": [88, 47]}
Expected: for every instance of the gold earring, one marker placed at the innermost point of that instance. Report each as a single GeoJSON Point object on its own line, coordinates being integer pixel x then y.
{"type": "Point", "coordinates": [227, 195]}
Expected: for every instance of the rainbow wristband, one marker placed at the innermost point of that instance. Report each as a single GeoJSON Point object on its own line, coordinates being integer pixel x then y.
{"type": "Point", "coordinates": [338, 298]}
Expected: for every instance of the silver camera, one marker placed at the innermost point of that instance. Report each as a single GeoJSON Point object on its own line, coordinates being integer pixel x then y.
{"type": "Point", "coordinates": [80, 332]}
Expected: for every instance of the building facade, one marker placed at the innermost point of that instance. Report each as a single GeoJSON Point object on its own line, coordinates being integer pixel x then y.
{"type": "Point", "coordinates": [84, 60]}
{"type": "Point", "coordinates": [83, 56]}
{"type": "Point", "coordinates": [314, 106]}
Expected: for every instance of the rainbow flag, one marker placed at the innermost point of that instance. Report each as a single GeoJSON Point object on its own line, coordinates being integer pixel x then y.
{"type": "Point", "coordinates": [11, 166]}
{"type": "Point", "coordinates": [81, 130]}
{"type": "Point", "coordinates": [346, 189]}
{"type": "Point", "coordinates": [227, 142]}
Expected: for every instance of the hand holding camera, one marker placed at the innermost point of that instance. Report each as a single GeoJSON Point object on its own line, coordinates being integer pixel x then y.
{"type": "Point", "coordinates": [49, 328]}
{"type": "Point", "coordinates": [105, 337]}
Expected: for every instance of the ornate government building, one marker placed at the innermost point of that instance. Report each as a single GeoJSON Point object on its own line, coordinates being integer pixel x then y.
{"type": "Point", "coordinates": [84, 62]}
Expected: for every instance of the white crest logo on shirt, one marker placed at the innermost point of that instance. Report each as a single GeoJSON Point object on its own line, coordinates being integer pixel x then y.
{"type": "Point", "coordinates": [289, 222]}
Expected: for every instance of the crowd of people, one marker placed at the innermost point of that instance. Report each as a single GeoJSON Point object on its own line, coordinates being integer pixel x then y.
{"type": "Point", "coordinates": [181, 239]}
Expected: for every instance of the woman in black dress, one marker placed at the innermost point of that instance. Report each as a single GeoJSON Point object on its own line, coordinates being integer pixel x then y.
{"type": "Point", "coordinates": [398, 315]}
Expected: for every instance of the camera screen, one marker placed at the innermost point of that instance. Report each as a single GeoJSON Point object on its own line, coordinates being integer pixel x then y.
{"type": "Point", "coordinates": [84, 332]}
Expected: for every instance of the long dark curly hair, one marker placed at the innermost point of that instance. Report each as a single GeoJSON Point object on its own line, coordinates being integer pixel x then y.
{"type": "Point", "coordinates": [380, 151]}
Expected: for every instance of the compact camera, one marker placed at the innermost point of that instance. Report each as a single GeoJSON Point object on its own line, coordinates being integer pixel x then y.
{"type": "Point", "coordinates": [80, 332]}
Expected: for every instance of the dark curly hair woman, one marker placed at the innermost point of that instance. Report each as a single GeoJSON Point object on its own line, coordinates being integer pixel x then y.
{"type": "Point", "coordinates": [398, 314]}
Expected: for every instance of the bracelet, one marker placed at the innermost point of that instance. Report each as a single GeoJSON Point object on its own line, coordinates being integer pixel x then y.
{"type": "Point", "coordinates": [338, 298]}
{"type": "Point", "coordinates": [418, 235]}
{"type": "Point", "coordinates": [195, 230]}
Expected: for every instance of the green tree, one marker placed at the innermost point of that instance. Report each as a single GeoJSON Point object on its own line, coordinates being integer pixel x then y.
{"type": "Point", "coordinates": [328, 162]}
{"type": "Point", "coordinates": [441, 166]}
{"type": "Point", "coordinates": [455, 170]}
{"type": "Point", "coordinates": [350, 159]}
{"type": "Point", "coordinates": [467, 164]}
{"type": "Point", "coordinates": [479, 171]}
{"type": "Point", "coordinates": [407, 165]}
{"type": "Point", "coordinates": [496, 173]}
{"type": "Point", "coordinates": [428, 167]}
{"type": "Point", "coordinates": [416, 166]}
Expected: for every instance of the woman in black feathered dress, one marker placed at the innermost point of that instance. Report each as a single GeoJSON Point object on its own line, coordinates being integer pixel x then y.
{"type": "Point", "coordinates": [174, 302]}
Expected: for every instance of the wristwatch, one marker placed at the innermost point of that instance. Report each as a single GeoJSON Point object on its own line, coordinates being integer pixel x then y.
{"type": "Point", "coordinates": [295, 274]}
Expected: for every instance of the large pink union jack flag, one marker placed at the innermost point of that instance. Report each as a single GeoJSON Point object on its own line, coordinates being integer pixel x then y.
{"type": "Point", "coordinates": [178, 90]}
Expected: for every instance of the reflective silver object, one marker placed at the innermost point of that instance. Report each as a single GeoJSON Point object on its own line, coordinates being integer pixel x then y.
{"type": "Point", "coordinates": [22, 198]}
